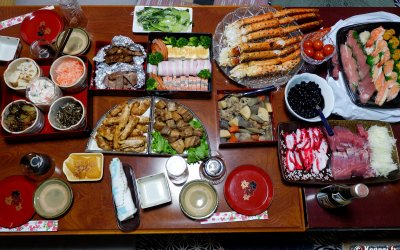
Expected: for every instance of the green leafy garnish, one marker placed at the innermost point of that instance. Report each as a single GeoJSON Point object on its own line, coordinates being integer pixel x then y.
{"type": "Point", "coordinates": [181, 42]}
{"type": "Point", "coordinates": [160, 144]}
{"type": "Point", "coordinates": [204, 73]}
{"type": "Point", "coordinates": [155, 58]}
{"type": "Point", "coordinates": [193, 41]}
{"type": "Point", "coordinates": [205, 41]}
{"type": "Point", "coordinates": [151, 84]}
{"type": "Point", "coordinates": [198, 153]}
{"type": "Point", "coordinates": [167, 20]}
{"type": "Point", "coordinates": [195, 123]}
{"type": "Point", "coordinates": [170, 40]}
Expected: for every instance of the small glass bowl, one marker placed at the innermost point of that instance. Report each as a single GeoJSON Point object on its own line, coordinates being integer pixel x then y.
{"type": "Point", "coordinates": [326, 40]}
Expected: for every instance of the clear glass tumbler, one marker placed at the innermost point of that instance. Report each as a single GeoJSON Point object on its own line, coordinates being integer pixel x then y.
{"type": "Point", "coordinates": [73, 14]}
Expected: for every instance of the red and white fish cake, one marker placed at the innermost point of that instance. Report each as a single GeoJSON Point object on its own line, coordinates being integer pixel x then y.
{"type": "Point", "coordinates": [306, 149]}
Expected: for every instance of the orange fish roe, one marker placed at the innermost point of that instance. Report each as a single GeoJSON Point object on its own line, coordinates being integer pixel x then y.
{"type": "Point", "coordinates": [68, 72]}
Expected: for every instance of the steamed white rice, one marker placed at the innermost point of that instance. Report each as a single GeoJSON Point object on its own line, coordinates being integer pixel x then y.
{"type": "Point", "coordinates": [381, 145]}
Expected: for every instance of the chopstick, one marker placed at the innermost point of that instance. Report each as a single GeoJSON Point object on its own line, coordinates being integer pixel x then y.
{"type": "Point", "coordinates": [64, 41]}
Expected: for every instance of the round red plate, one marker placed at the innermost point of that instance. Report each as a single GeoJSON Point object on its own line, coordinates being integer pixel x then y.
{"type": "Point", "coordinates": [52, 24]}
{"type": "Point", "coordinates": [16, 201]}
{"type": "Point", "coordinates": [248, 190]}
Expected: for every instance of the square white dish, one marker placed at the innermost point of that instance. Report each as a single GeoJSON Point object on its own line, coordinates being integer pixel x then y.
{"type": "Point", "coordinates": [99, 158]}
{"type": "Point", "coordinates": [153, 190]}
{"type": "Point", "coordinates": [138, 28]}
{"type": "Point", "coordinates": [8, 48]}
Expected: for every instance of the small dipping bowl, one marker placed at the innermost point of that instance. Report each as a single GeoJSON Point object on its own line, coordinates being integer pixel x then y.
{"type": "Point", "coordinates": [52, 198]}
{"type": "Point", "coordinates": [9, 47]}
{"type": "Point", "coordinates": [20, 72]}
{"type": "Point", "coordinates": [198, 199]}
{"type": "Point", "coordinates": [69, 73]}
{"type": "Point", "coordinates": [43, 92]}
{"type": "Point", "coordinates": [56, 116]}
{"type": "Point", "coordinates": [213, 170]}
{"type": "Point", "coordinates": [78, 42]}
{"type": "Point", "coordinates": [36, 125]}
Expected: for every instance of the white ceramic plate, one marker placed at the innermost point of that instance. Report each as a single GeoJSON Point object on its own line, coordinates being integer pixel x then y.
{"type": "Point", "coordinates": [153, 190]}
{"type": "Point", "coordinates": [72, 178]}
{"type": "Point", "coordinates": [138, 28]}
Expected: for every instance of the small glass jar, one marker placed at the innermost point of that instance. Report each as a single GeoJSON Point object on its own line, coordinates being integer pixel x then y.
{"type": "Point", "coordinates": [37, 166]}
{"type": "Point", "coordinates": [73, 14]}
{"type": "Point", "coordinates": [213, 169]}
{"type": "Point", "coordinates": [177, 170]}
{"type": "Point", "coordinates": [42, 48]}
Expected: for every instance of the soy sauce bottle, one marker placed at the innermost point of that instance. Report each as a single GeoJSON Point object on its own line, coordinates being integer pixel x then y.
{"type": "Point", "coordinates": [37, 166]}
{"type": "Point", "coordinates": [336, 196]}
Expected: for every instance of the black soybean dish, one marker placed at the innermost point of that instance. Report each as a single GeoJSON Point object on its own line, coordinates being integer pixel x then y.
{"type": "Point", "coordinates": [304, 97]}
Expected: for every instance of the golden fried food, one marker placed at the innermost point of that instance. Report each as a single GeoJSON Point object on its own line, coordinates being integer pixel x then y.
{"type": "Point", "coordinates": [125, 127]}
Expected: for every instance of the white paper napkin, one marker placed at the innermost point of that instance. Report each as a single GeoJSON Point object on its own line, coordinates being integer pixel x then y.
{"type": "Point", "coordinates": [121, 192]}
{"type": "Point", "coordinates": [343, 104]}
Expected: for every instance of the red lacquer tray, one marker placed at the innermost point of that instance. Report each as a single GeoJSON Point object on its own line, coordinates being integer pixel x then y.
{"type": "Point", "coordinates": [248, 190]}
{"type": "Point", "coordinates": [8, 95]}
{"type": "Point", "coordinates": [16, 201]}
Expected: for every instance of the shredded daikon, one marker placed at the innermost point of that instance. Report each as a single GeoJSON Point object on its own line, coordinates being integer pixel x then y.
{"type": "Point", "coordinates": [382, 145]}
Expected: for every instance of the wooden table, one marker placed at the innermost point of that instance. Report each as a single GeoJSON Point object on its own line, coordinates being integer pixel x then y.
{"type": "Point", "coordinates": [92, 210]}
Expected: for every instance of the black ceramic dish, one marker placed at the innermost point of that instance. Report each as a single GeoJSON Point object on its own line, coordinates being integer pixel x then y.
{"type": "Point", "coordinates": [341, 38]}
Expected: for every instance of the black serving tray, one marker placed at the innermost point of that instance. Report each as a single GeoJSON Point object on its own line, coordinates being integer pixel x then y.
{"type": "Point", "coordinates": [180, 94]}
{"type": "Point", "coordinates": [341, 38]}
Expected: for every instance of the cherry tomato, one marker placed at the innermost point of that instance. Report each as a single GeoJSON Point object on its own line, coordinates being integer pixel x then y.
{"type": "Point", "coordinates": [317, 45]}
{"type": "Point", "coordinates": [309, 51]}
{"type": "Point", "coordinates": [319, 55]}
{"type": "Point", "coordinates": [307, 44]}
{"type": "Point", "coordinates": [328, 49]}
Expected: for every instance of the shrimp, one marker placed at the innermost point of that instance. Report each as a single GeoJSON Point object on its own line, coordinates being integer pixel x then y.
{"type": "Point", "coordinates": [394, 87]}
{"type": "Point", "coordinates": [381, 46]}
{"type": "Point", "coordinates": [384, 58]}
{"type": "Point", "coordinates": [380, 81]}
{"type": "Point", "coordinates": [388, 67]}
{"type": "Point", "coordinates": [376, 34]}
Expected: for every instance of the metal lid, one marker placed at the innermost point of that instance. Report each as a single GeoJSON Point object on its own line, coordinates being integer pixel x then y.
{"type": "Point", "coordinates": [361, 190]}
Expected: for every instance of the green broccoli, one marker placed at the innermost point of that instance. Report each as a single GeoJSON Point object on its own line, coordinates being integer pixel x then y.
{"type": "Point", "coordinates": [170, 40]}
{"type": "Point", "coordinates": [151, 84]}
{"type": "Point", "coordinates": [181, 42]}
{"type": "Point", "coordinates": [193, 41]}
{"type": "Point", "coordinates": [205, 41]}
{"type": "Point", "coordinates": [204, 73]}
{"type": "Point", "coordinates": [155, 58]}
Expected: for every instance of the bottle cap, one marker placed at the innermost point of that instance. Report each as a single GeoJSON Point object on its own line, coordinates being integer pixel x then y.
{"type": "Point", "coordinates": [361, 190]}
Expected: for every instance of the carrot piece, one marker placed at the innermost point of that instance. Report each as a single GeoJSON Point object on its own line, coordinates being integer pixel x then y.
{"type": "Point", "coordinates": [255, 137]}
{"type": "Point", "coordinates": [261, 98]}
{"type": "Point", "coordinates": [233, 129]}
{"type": "Point", "coordinates": [233, 139]}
